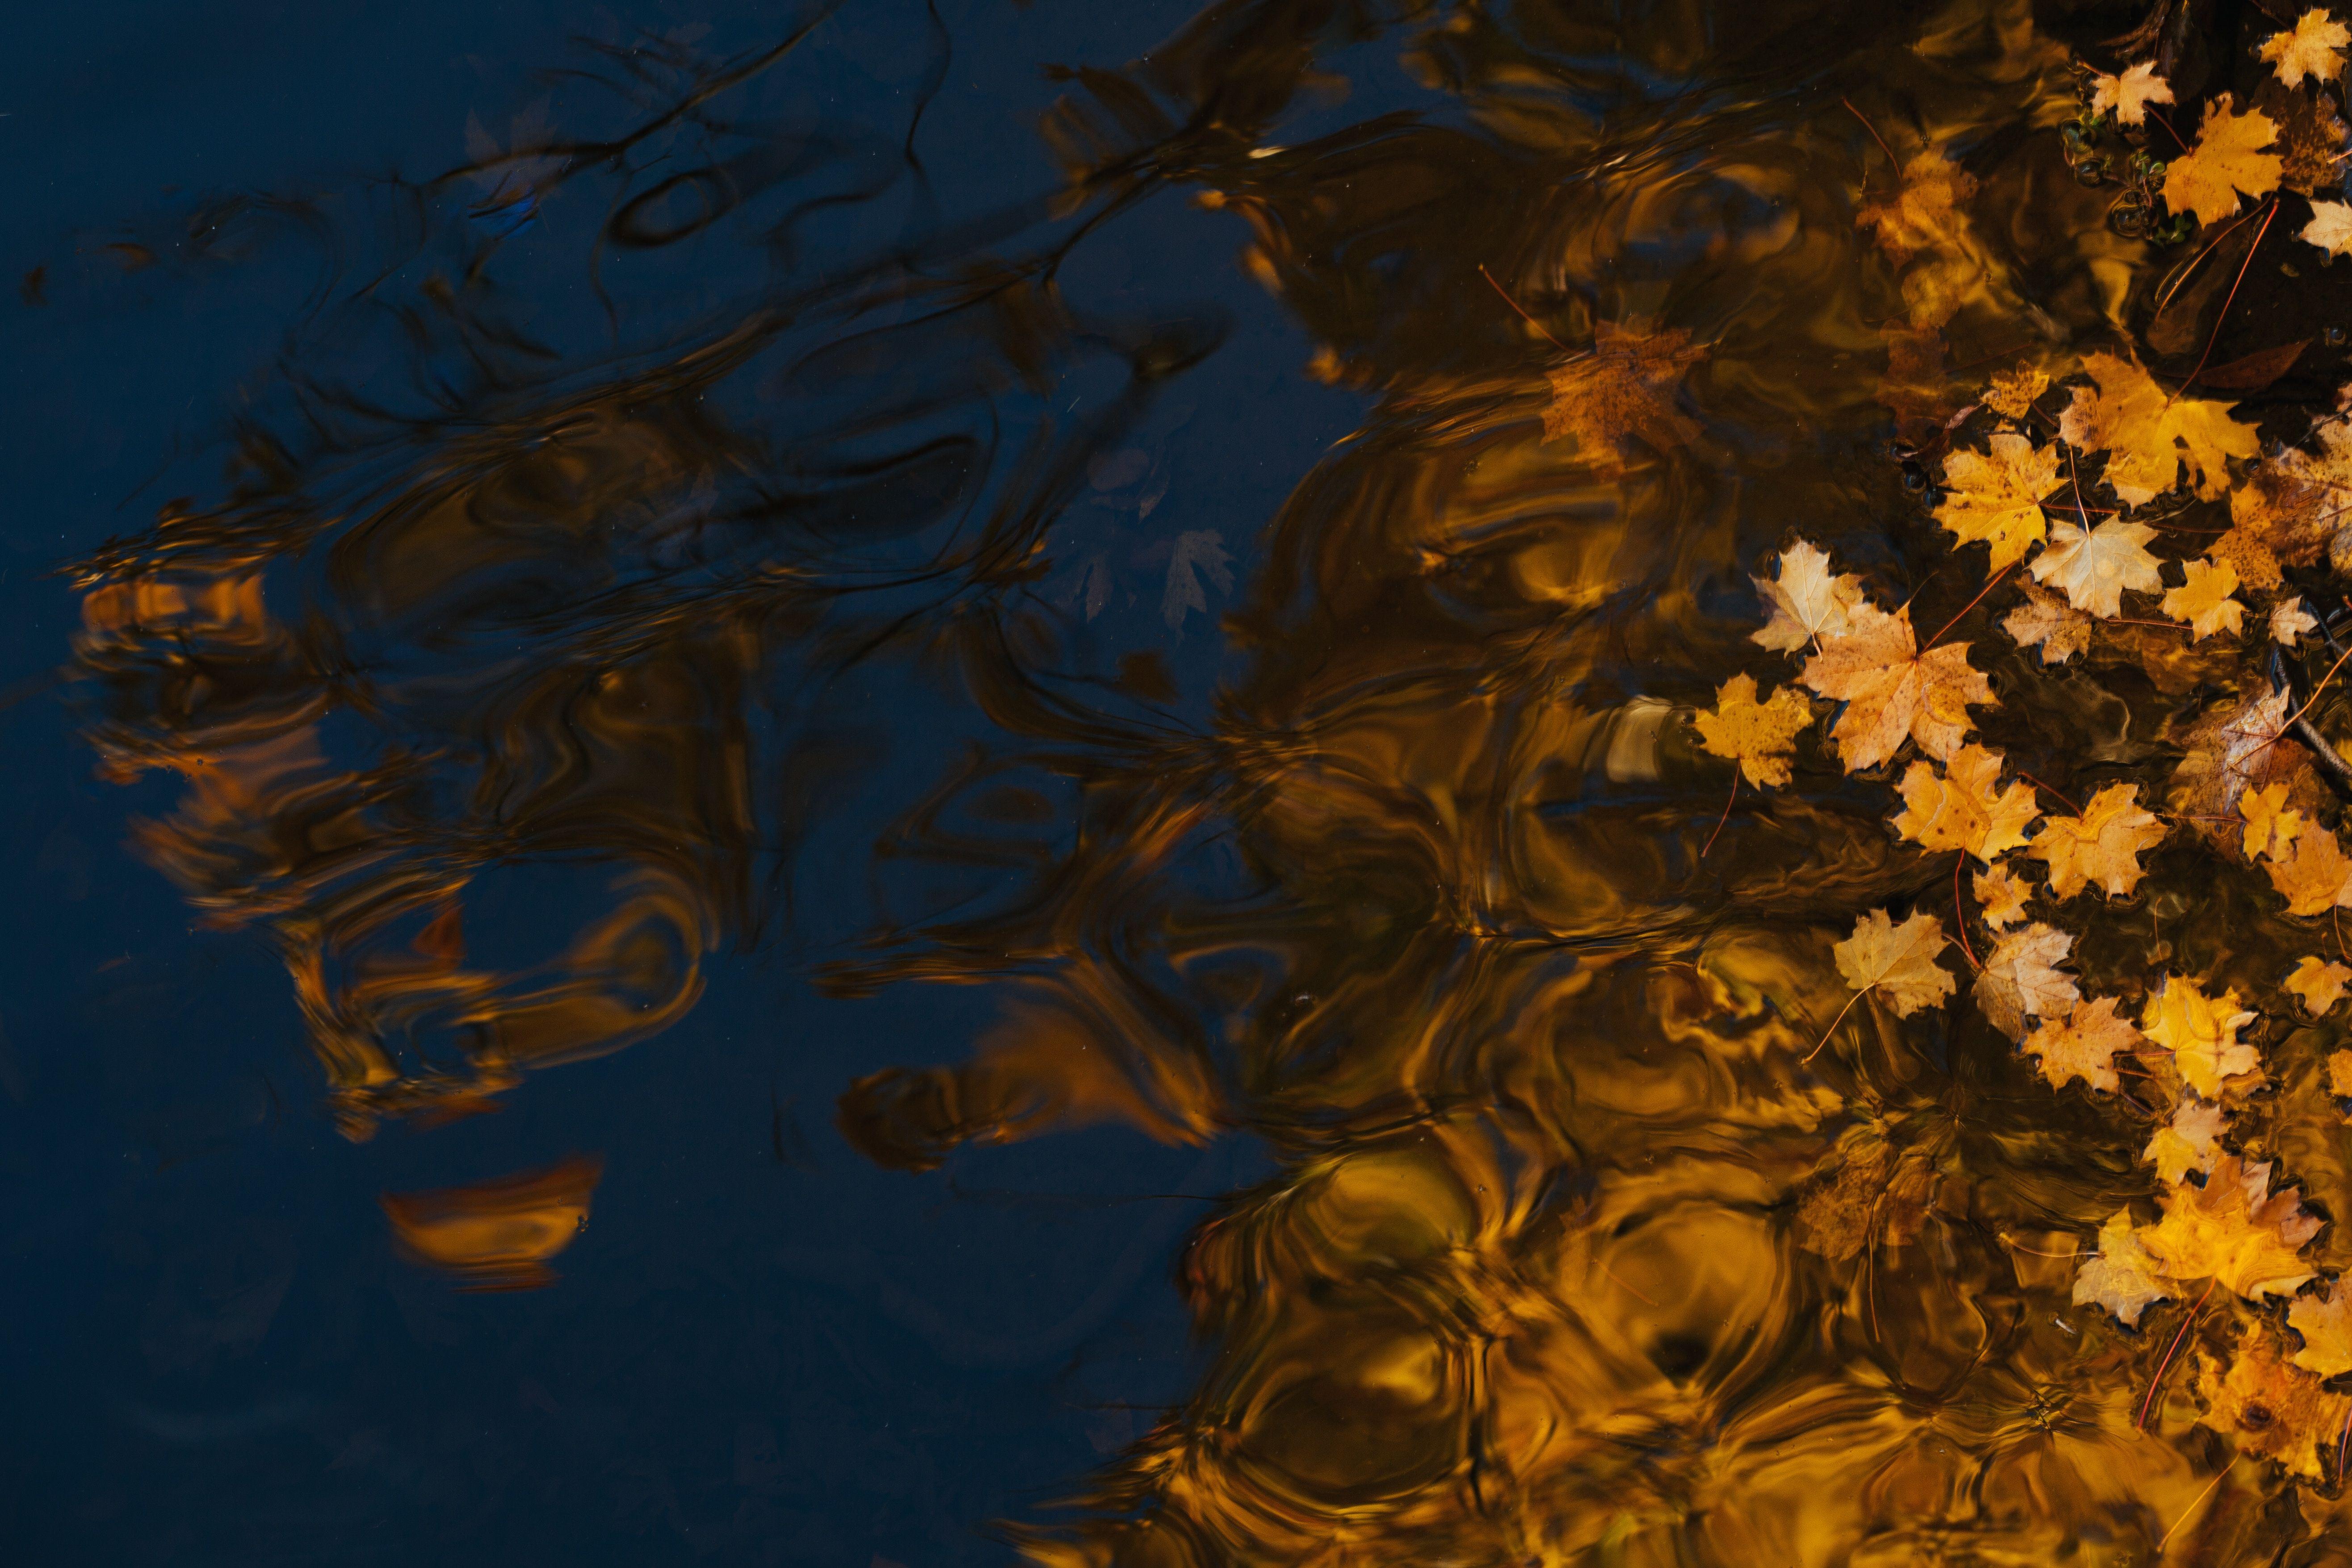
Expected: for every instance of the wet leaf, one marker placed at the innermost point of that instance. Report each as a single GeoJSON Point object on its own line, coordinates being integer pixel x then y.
{"type": "Point", "coordinates": [2308, 48]}
{"type": "Point", "coordinates": [2289, 621]}
{"type": "Point", "coordinates": [2245, 553]}
{"type": "Point", "coordinates": [1998, 496]}
{"type": "Point", "coordinates": [2189, 1141]}
{"type": "Point", "coordinates": [2330, 228]}
{"type": "Point", "coordinates": [2044, 618]}
{"type": "Point", "coordinates": [2325, 1321]}
{"type": "Point", "coordinates": [2270, 826]}
{"type": "Point", "coordinates": [2228, 158]}
{"type": "Point", "coordinates": [1759, 736]}
{"type": "Point", "coordinates": [1865, 1192]}
{"type": "Point", "coordinates": [2122, 1276]}
{"type": "Point", "coordinates": [2201, 1033]}
{"type": "Point", "coordinates": [2232, 1230]}
{"type": "Point", "coordinates": [1807, 600]}
{"type": "Point", "coordinates": [2320, 982]}
{"type": "Point", "coordinates": [2102, 845]}
{"type": "Point", "coordinates": [1891, 691]}
{"type": "Point", "coordinates": [2000, 894]}
{"type": "Point", "coordinates": [1621, 391]}
{"type": "Point", "coordinates": [2093, 569]}
{"type": "Point", "coordinates": [1963, 808]}
{"type": "Point", "coordinates": [2021, 980]}
{"type": "Point", "coordinates": [2271, 1409]}
{"type": "Point", "coordinates": [2149, 433]}
{"type": "Point", "coordinates": [1896, 960]}
{"type": "Point", "coordinates": [2253, 372]}
{"type": "Point", "coordinates": [2127, 96]}
{"type": "Point", "coordinates": [2339, 1074]}
{"type": "Point", "coordinates": [2316, 878]}
{"type": "Point", "coordinates": [2012, 392]}
{"type": "Point", "coordinates": [2085, 1045]}
{"type": "Point", "coordinates": [2205, 602]}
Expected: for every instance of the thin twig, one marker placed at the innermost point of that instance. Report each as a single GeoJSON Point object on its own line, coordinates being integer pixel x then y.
{"type": "Point", "coordinates": [2164, 296]}
{"type": "Point", "coordinates": [2166, 1365]}
{"type": "Point", "coordinates": [1960, 915]}
{"type": "Point", "coordinates": [1875, 136]}
{"type": "Point", "coordinates": [2016, 1246]}
{"type": "Point", "coordinates": [2215, 336]}
{"type": "Point", "coordinates": [2168, 131]}
{"type": "Point", "coordinates": [2193, 1507]}
{"type": "Point", "coordinates": [1514, 305]}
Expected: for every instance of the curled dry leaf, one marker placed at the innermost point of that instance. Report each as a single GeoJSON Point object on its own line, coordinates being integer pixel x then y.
{"type": "Point", "coordinates": [2201, 1033]}
{"type": "Point", "coordinates": [2270, 826]}
{"type": "Point", "coordinates": [2325, 1321]}
{"type": "Point", "coordinates": [2085, 1046]}
{"type": "Point", "coordinates": [2204, 601]}
{"type": "Point", "coordinates": [2308, 48]}
{"type": "Point", "coordinates": [2320, 982]}
{"type": "Point", "coordinates": [2123, 1277]}
{"type": "Point", "coordinates": [2233, 1229]}
{"type": "Point", "coordinates": [2045, 618]}
{"type": "Point", "coordinates": [1759, 736]}
{"type": "Point", "coordinates": [2001, 895]}
{"type": "Point", "coordinates": [2228, 158]}
{"type": "Point", "coordinates": [1964, 808]}
{"type": "Point", "coordinates": [2021, 980]}
{"type": "Point", "coordinates": [2269, 1407]}
{"type": "Point", "coordinates": [2093, 569]}
{"type": "Point", "coordinates": [2189, 1141]}
{"type": "Point", "coordinates": [1807, 600]}
{"type": "Point", "coordinates": [1896, 960]}
{"type": "Point", "coordinates": [1891, 690]}
{"type": "Point", "coordinates": [1623, 391]}
{"type": "Point", "coordinates": [2148, 434]}
{"type": "Point", "coordinates": [1997, 496]}
{"type": "Point", "coordinates": [2127, 96]}
{"type": "Point", "coordinates": [2316, 878]}
{"type": "Point", "coordinates": [2101, 845]}
{"type": "Point", "coordinates": [2289, 621]}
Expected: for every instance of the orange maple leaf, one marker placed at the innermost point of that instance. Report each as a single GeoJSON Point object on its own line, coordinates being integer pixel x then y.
{"type": "Point", "coordinates": [1759, 736]}
{"type": "Point", "coordinates": [1997, 496]}
{"type": "Point", "coordinates": [1964, 808]}
{"type": "Point", "coordinates": [2228, 158]}
{"type": "Point", "coordinates": [2101, 845]}
{"type": "Point", "coordinates": [2233, 1229]}
{"type": "Point", "coordinates": [2085, 1046]}
{"type": "Point", "coordinates": [1891, 690]}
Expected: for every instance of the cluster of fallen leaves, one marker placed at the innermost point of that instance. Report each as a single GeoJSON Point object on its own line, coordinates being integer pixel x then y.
{"type": "Point", "coordinates": [2059, 489]}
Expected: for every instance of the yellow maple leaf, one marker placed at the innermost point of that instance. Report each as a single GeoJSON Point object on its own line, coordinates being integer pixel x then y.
{"type": "Point", "coordinates": [2228, 158]}
{"type": "Point", "coordinates": [1620, 391]}
{"type": "Point", "coordinates": [2201, 1033]}
{"type": "Point", "coordinates": [1926, 212]}
{"type": "Point", "coordinates": [2270, 826]}
{"type": "Point", "coordinates": [1896, 960]}
{"type": "Point", "coordinates": [2012, 392]}
{"type": "Point", "coordinates": [1997, 496]}
{"type": "Point", "coordinates": [2093, 569]}
{"type": "Point", "coordinates": [2316, 878]}
{"type": "Point", "coordinates": [1759, 736]}
{"type": "Point", "coordinates": [2001, 894]}
{"type": "Point", "coordinates": [2324, 1322]}
{"type": "Point", "coordinates": [2129, 95]}
{"type": "Point", "coordinates": [2045, 618]}
{"type": "Point", "coordinates": [2319, 982]}
{"type": "Point", "coordinates": [1891, 690]}
{"type": "Point", "coordinates": [2189, 1141]}
{"type": "Point", "coordinates": [2268, 1407]}
{"type": "Point", "coordinates": [2233, 1229]}
{"type": "Point", "coordinates": [2204, 601]}
{"type": "Point", "coordinates": [2148, 434]}
{"type": "Point", "coordinates": [1963, 809]}
{"type": "Point", "coordinates": [1808, 601]}
{"type": "Point", "coordinates": [2308, 48]}
{"type": "Point", "coordinates": [2020, 978]}
{"type": "Point", "coordinates": [2256, 564]}
{"type": "Point", "coordinates": [2101, 845]}
{"type": "Point", "coordinates": [2085, 1046]}
{"type": "Point", "coordinates": [2123, 1277]}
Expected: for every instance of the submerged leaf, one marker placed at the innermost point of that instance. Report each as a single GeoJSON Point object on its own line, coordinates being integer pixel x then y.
{"type": "Point", "coordinates": [1925, 213]}
{"type": "Point", "coordinates": [2316, 878]}
{"type": "Point", "coordinates": [2271, 1409]}
{"type": "Point", "coordinates": [2289, 621]}
{"type": "Point", "coordinates": [2270, 826]}
{"type": "Point", "coordinates": [2045, 618]}
{"type": "Point", "coordinates": [2324, 1322]}
{"type": "Point", "coordinates": [1619, 393]}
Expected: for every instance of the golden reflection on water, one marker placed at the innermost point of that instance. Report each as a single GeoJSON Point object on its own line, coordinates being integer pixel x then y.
{"type": "Point", "coordinates": [1571, 1256]}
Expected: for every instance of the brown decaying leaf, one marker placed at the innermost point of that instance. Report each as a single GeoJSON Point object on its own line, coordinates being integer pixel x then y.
{"type": "Point", "coordinates": [2289, 621]}
{"type": "Point", "coordinates": [2267, 1406]}
{"type": "Point", "coordinates": [2298, 501]}
{"type": "Point", "coordinates": [2233, 1229]}
{"type": "Point", "coordinates": [2102, 845]}
{"type": "Point", "coordinates": [2251, 373]}
{"type": "Point", "coordinates": [1759, 736]}
{"type": "Point", "coordinates": [1619, 393]}
{"type": "Point", "coordinates": [1897, 961]}
{"type": "Point", "coordinates": [1866, 1192]}
{"type": "Point", "coordinates": [1925, 213]}
{"type": "Point", "coordinates": [2228, 158]}
{"type": "Point", "coordinates": [1964, 808]}
{"type": "Point", "coordinates": [1891, 690]}
{"type": "Point", "coordinates": [2245, 553]}
{"type": "Point", "coordinates": [2012, 392]}
{"type": "Point", "coordinates": [2201, 1033]}
{"type": "Point", "coordinates": [2085, 1046]}
{"type": "Point", "coordinates": [2061, 630]}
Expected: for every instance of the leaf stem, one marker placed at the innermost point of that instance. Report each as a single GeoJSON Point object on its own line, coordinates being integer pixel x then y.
{"type": "Point", "coordinates": [1960, 915]}
{"type": "Point", "coordinates": [1514, 305]}
{"type": "Point", "coordinates": [2215, 336]}
{"type": "Point", "coordinates": [2166, 1365]}
{"type": "Point", "coordinates": [2194, 1506]}
{"type": "Point", "coordinates": [1972, 603]}
{"type": "Point", "coordinates": [1727, 814]}
{"type": "Point", "coordinates": [2061, 799]}
{"type": "Point", "coordinates": [1875, 136]}
{"type": "Point", "coordinates": [1850, 1001]}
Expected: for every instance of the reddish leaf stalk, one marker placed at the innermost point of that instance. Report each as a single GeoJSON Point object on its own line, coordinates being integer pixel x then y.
{"type": "Point", "coordinates": [2166, 1365]}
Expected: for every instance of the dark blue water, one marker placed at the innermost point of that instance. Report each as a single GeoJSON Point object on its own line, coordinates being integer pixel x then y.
{"type": "Point", "coordinates": [764, 1348]}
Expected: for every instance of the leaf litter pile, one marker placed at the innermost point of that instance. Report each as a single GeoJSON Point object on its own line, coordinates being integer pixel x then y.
{"type": "Point", "coordinates": [2115, 518]}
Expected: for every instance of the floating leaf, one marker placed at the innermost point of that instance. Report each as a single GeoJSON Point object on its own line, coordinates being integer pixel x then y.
{"type": "Point", "coordinates": [2270, 826]}
{"type": "Point", "coordinates": [2103, 845]}
{"type": "Point", "coordinates": [1759, 736]}
{"type": "Point", "coordinates": [2148, 434]}
{"type": "Point", "coordinates": [2045, 618]}
{"type": "Point", "coordinates": [2228, 158]}
{"type": "Point", "coordinates": [2127, 96]}
{"type": "Point", "coordinates": [2316, 878]}
{"type": "Point", "coordinates": [1891, 690]}
{"type": "Point", "coordinates": [1896, 960]}
{"type": "Point", "coordinates": [2012, 392]}
{"type": "Point", "coordinates": [2021, 980]}
{"type": "Point", "coordinates": [2243, 551]}
{"type": "Point", "coordinates": [2123, 1277]}
{"type": "Point", "coordinates": [2189, 1141]}
{"type": "Point", "coordinates": [2324, 1322]}
{"type": "Point", "coordinates": [2001, 893]}
{"type": "Point", "coordinates": [1963, 808]}
{"type": "Point", "coordinates": [1998, 496]}
{"type": "Point", "coordinates": [2233, 1229]}
{"type": "Point", "coordinates": [2085, 1046]}
{"type": "Point", "coordinates": [1806, 601]}
{"type": "Point", "coordinates": [2201, 1033]}
{"type": "Point", "coordinates": [2093, 569]}
{"type": "Point", "coordinates": [2289, 621]}
{"type": "Point", "coordinates": [2320, 982]}
{"type": "Point", "coordinates": [2204, 601]}
{"type": "Point", "coordinates": [2308, 48]}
